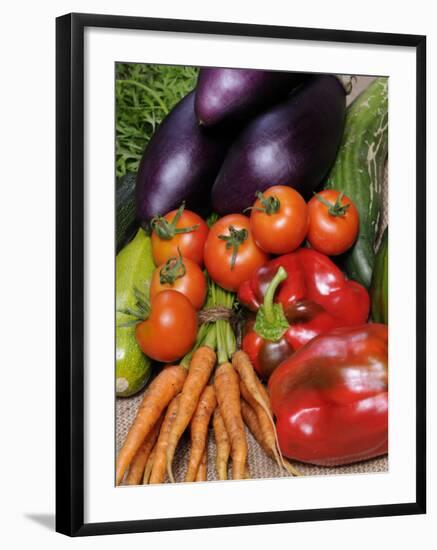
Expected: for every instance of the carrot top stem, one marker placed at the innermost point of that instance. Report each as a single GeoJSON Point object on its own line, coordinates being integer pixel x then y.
{"type": "Point", "coordinates": [218, 334]}
{"type": "Point", "coordinates": [201, 340]}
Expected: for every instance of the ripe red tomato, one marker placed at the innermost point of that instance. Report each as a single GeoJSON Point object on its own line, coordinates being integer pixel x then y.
{"type": "Point", "coordinates": [231, 255]}
{"type": "Point", "coordinates": [171, 328]}
{"type": "Point", "coordinates": [333, 222]}
{"type": "Point", "coordinates": [183, 275]}
{"type": "Point", "coordinates": [179, 230]}
{"type": "Point", "coordinates": [279, 219]}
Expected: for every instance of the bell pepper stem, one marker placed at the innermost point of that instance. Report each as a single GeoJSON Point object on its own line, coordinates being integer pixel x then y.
{"type": "Point", "coordinates": [280, 276]}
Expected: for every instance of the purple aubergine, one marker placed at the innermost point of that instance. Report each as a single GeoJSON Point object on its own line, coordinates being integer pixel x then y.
{"type": "Point", "coordinates": [293, 143]}
{"type": "Point", "coordinates": [232, 95]}
{"type": "Point", "coordinates": [180, 163]}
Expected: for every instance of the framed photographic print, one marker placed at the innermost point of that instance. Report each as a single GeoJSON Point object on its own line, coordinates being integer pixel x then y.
{"type": "Point", "coordinates": [231, 304]}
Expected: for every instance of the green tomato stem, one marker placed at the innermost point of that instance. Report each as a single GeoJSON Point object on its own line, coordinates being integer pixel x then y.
{"type": "Point", "coordinates": [233, 241]}
{"type": "Point", "coordinates": [173, 269]}
{"type": "Point", "coordinates": [167, 230]}
{"type": "Point", "coordinates": [270, 205]}
{"type": "Point", "coordinates": [334, 209]}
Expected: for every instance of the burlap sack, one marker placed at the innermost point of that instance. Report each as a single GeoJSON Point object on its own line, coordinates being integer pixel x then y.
{"type": "Point", "coordinates": [260, 465]}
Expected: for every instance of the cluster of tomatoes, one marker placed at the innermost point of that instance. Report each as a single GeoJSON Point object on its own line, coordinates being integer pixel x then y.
{"type": "Point", "coordinates": [230, 251]}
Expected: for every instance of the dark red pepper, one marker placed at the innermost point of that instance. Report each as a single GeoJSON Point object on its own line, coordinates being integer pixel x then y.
{"type": "Point", "coordinates": [314, 296]}
{"type": "Point", "coordinates": [330, 398]}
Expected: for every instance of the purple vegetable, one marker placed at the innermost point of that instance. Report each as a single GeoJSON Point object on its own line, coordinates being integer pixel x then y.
{"type": "Point", "coordinates": [179, 164]}
{"type": "Point", "coordinates": [231, 95]}
{"type": "Point", "coordinates": [293, 143]}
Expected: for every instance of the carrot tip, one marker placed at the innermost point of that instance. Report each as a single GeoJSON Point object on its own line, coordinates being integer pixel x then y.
{"type": "Point", "coordinates": [170, 475]}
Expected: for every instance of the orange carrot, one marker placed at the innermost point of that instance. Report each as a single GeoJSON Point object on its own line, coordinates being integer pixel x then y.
{"type": "Point", "coordinates": [264, 393]}
{"type": "Point", "coordinates": [199, 430]}
{"type": "Point", "coordinates": [264, 423]}
{"type": "Point", "coordinates": [202, 472]}
{"type": "Point", "coordinates": [158, 471]}
{"type": "Point", "coordinates": [242, 364]}
{"type": "Point", "coordinates": [158, 395]}
{"type": "Point", "coordinates": [139, 461]}
{"type": "Point", "coordinates": [149, 466]}
{"type": "Point", "coordinates": [201, 366]}
{"type": "Point", "coordinates": [251, 420]}
{"type": "Point", "coordinates": [222, 445]}
{"type": "Point", "coordinates": [227, 389]}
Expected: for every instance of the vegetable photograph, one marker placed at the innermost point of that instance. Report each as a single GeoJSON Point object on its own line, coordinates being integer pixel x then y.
{"type": "Point", "coordinates": [251, 270]}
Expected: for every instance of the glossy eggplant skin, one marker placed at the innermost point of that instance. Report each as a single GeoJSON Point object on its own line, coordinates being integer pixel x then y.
{"type": "Point", "coordinates": [293, 143]}
{"type": "Point", "coordinates": [179, 164]}
{"type": "Point", "coordinates": [226, 96]}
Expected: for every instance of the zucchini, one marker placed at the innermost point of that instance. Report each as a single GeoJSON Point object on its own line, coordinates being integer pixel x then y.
{"type": "Point", "coordinates": [359, 172]}
{"type": "Point", "coordinates": [126, 221]}
{"type": "Point", "coordinates": [134, 267]}
{"type": "Point", "coordinates": [379, 288]}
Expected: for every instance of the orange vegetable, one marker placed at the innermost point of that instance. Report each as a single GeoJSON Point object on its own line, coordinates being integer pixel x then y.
{"type": "Point", "coordinates": [222, 444]}
{"type": "Point", "coordinates": [201, 366]}
{"type": "Point", "coordinates": [227, 387]}
{"type": "Point", "coordinates": [202, 471]}
{"type": "Point", "coordinates": [199, 430]}
{"type": "Point", "coordinates": [158, 395]}
{"type": "Point", "coordinates": [139, 461]}
{"type": "Point", "coordinates": [157, 474]}
{"type": "Point", "coordinates": [149, 466]}
{"type": "Point", "coordinates": [243, 366]}
{"type": "Point", "coordinates": [251, 420]}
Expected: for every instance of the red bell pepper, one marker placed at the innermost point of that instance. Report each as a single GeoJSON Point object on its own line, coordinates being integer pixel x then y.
{"type": "Point", "coordinates": [314, 296]}
{"type": "Point", "coordinates": [330, 398]}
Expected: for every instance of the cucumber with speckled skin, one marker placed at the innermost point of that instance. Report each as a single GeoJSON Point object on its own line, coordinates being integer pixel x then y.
{"type": "Point", "coordinates": [134, 268]}
{"type": "Point", "coordinates": [359, 172]}
{"type": "Point", "coordinates": [379, 288]}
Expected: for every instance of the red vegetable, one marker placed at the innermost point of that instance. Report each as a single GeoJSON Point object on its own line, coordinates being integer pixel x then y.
{"type": "Point", "coordinates": [279, 219]}
{"type": "Point", "coordinates": [330, 398]}
{"type": "Point", "coordinates": [311, 296]}
{"type": "Point", "coordinates": [231, 255]}
{"type": "Point", "coordinates": [178, 232]}
{"type": "Point", "coordinates": [333, 222]}
{"type": "Point", "coordinates": [183, 275]}
{"type": "Point", "coordinates": [170, 328]}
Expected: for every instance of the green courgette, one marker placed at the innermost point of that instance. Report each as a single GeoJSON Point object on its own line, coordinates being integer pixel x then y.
{"type": "Point", "coordinates": [359, 172]}
{"type": "Point", "coordinates": [379, 288]}
{"type": "Point", "coordinates": [134, 267]}
{"type": "Point", "coordinates": [126, 221]}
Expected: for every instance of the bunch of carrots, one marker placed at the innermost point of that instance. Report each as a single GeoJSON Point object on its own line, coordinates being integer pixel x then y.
{"type": "Point", "coordinates": [214, 383]}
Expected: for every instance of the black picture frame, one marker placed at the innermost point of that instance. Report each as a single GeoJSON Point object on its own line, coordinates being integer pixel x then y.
{"type": "Point", "coordinates": [70, 273]}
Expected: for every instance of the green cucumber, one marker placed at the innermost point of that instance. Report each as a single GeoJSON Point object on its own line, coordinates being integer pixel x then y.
{"type": "Point", "coordinates": [359, 172]}
{"type": "Point", "coordinates": [134, 268]}
{"type": "Point", "coordinates": [126, 220]}
{"type": "Point", "coordinates": [379, 288]}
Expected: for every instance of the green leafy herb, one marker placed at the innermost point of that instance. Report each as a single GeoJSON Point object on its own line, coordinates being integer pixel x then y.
{"type": "Point", "coordinates": [144, 95]}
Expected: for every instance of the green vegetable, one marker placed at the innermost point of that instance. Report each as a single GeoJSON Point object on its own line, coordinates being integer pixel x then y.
{"type": "Point", "coordinates": [134, 267]}
{"type": "Point", "coordinates": [359, 171]}
{"type": "Point", "coordinates": [144, 95]}
{"type": "Point", "coordinates": [379, 288]}
{"type": "Point", "coordinates": [126, 222]}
